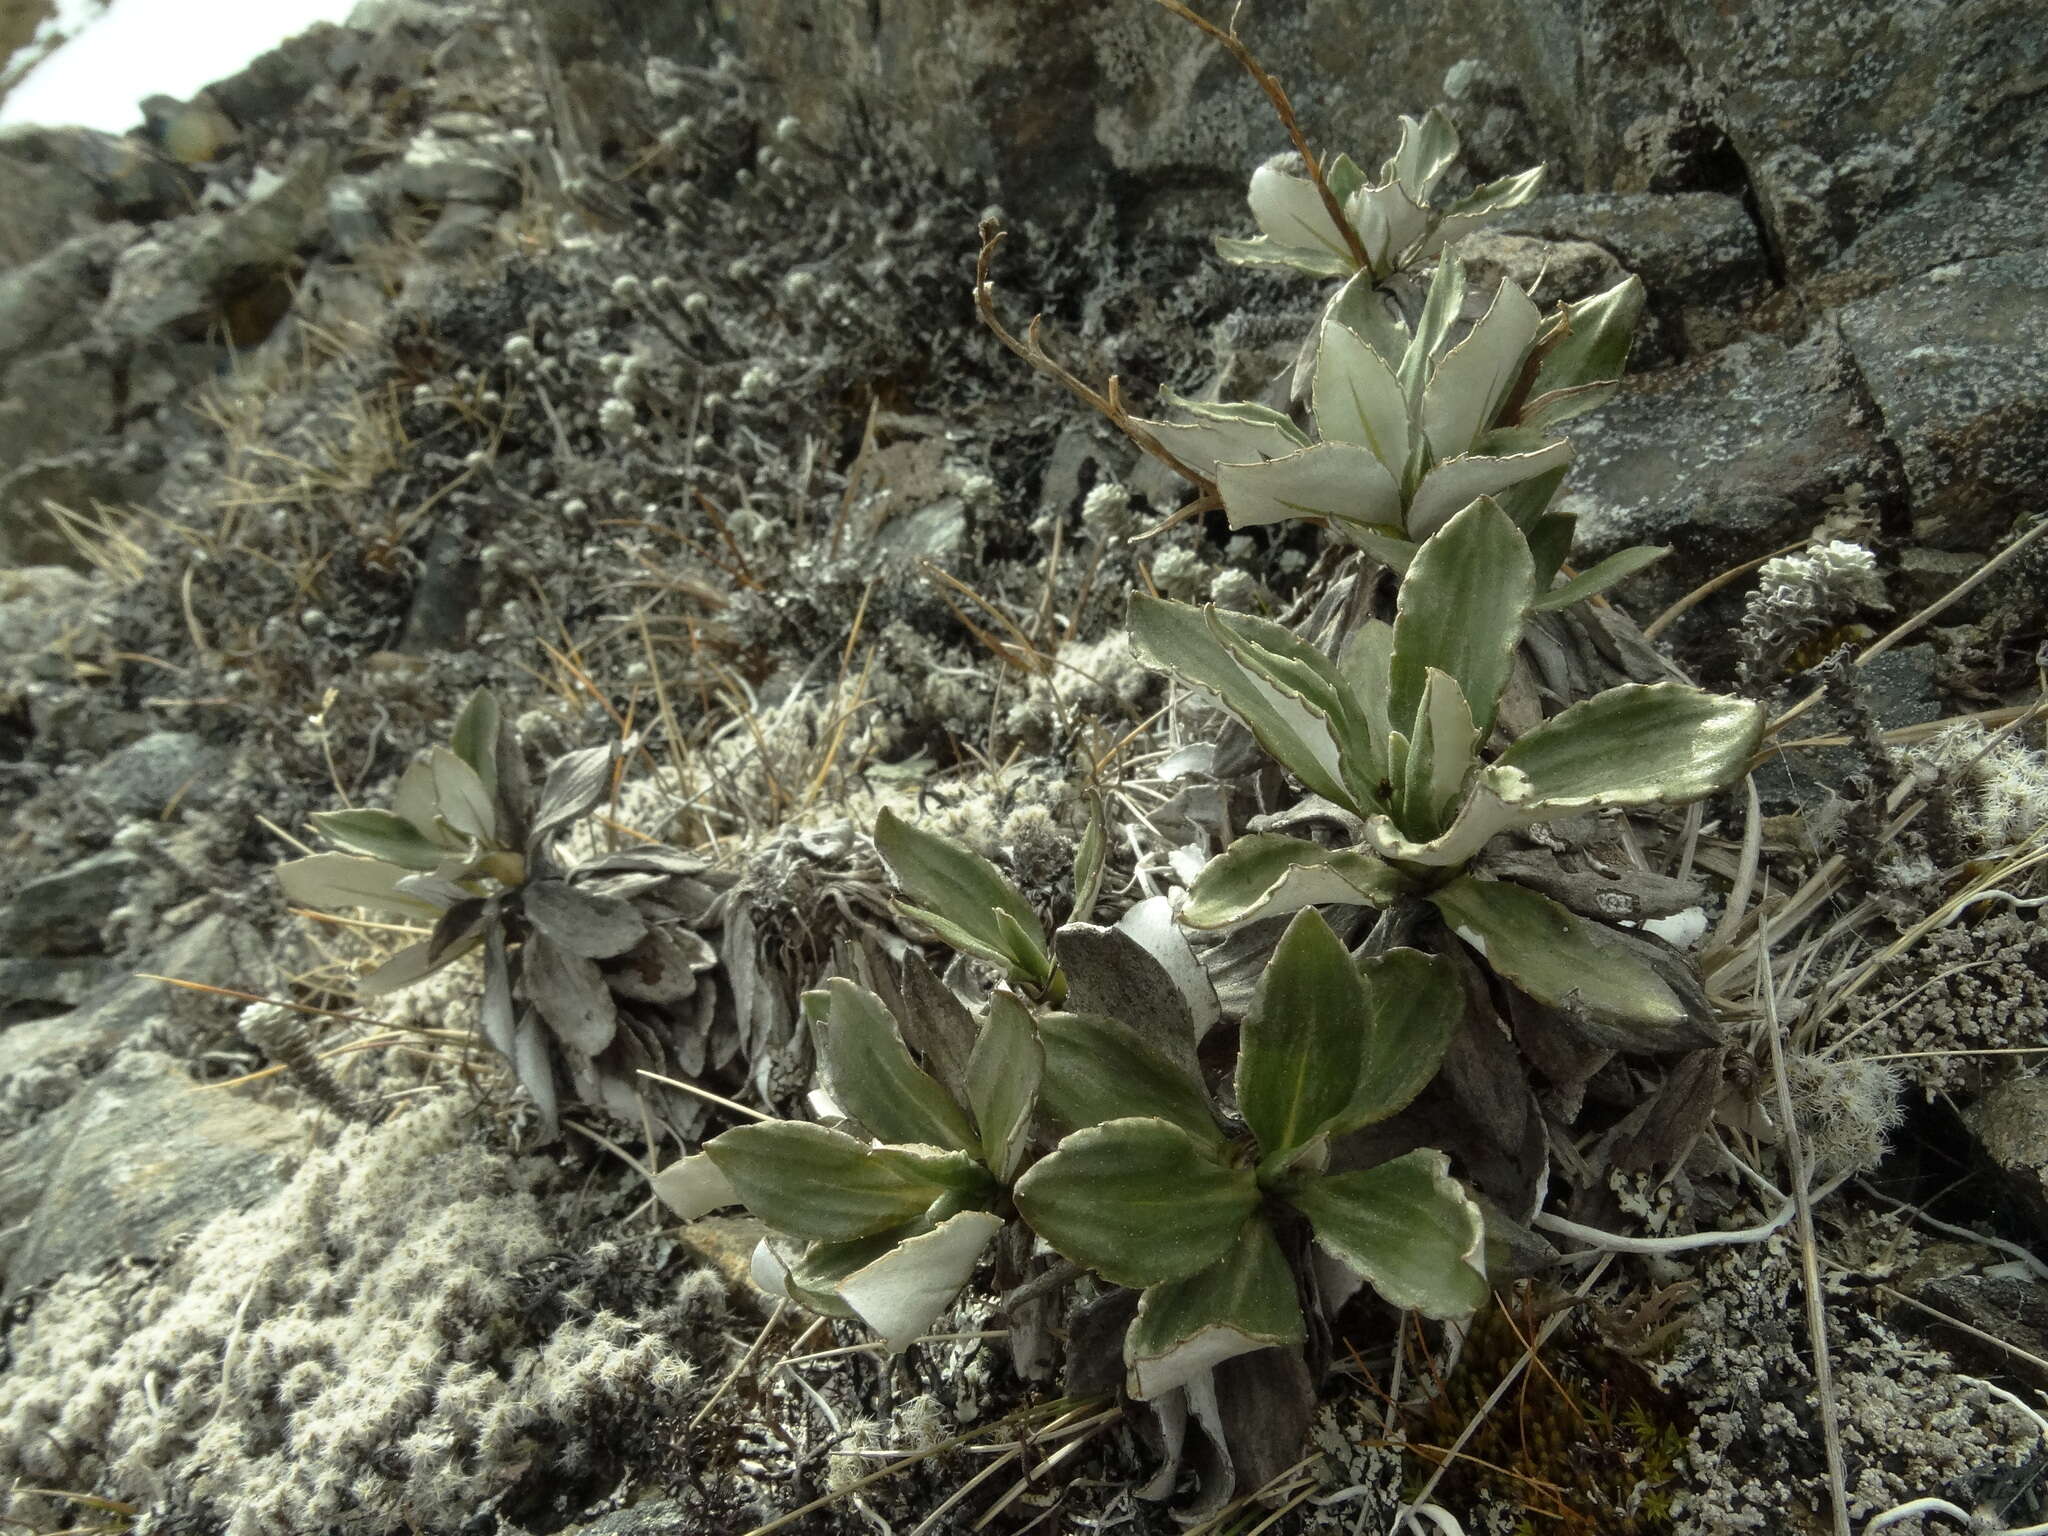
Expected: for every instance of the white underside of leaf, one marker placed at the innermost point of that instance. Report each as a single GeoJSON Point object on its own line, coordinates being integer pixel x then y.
{"type": "Point", "coordinates": [1494, 803]}
{"type": "Point", "coordinates": [1151, 923]}
{"type": "Point", "coordinates": [903, 1292]}
{"type": "Point", "coordinates": [694, 1187]}
{"type": "Point", "coordinates": [1196, 1356]}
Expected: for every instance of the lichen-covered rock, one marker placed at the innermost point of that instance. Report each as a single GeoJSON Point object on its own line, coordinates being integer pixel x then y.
{"type": "Point", "coordinates": [1952, 359]}
{"type": "Point", "coordinates": [2011, 1126]}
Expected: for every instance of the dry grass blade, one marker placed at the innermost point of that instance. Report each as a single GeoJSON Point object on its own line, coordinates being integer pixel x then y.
{"type": "Point", "coordinates": [1709, 587]}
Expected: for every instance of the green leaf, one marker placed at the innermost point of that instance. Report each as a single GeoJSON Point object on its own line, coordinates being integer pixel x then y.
{"type": "Point", "coordinates": [1030, 961]}
{"type": "Point", "coordinates": [1262, 252]}
{"type": "Point", "coordinates": [1366, 663]}
{"type": "Point", "coordinates": [1289, 209]}
{"type": "Point", "coordinates": [901, 1293]}
{"type": "Point", "coordinates": [1267, 875]}
{"type": "Point", "coordinates": [809, 1181]}
{"type": "Point", "coordinates": [1415, 1005]}
{"type": "Point", "coordinates": [957, 885]}
{"type": "Point", "coordinates": [1138, 1201]}
{"type": "Point", "coordinates": [1238, 432]}
{"type": "Point", "coordinates": [335, 880]}
{"type": "Point", "coordinates": [1468, 388]}
{"type": "Point", "coordinates": [1298, 1053]}
{"type": "Point", "coordinates": [952, 934]}
{"type": "Point", "coordinates": [1334, 480]}
{"type": "Point", "coordinates": [1461, 610]}
{"type": "Point", "coordinates": [1003, 1078]}
{"type": "Point", "coordinates": [1275, 655]}
{"type": "Point", "coordinates": [460, 798]}
{"type": "Point", "coordinates": [1091, 857]}
{"type": "Point", "coordinates": [1427, 149]}
{"type": "Point", "coordinates": [1618, 566]}
{"type": "Point", "coordinates": [1358, 399]}
{"type": "Point", "coordinates": [1361, 307]}
{"type": "Point", "coordinates": [1550, 545]}
{"type": "Point", "coordinates": [476, 738]}
{"type": "Point", "coordinates": [1440, 309]}
{"type": "Point", "coordinates": [1384, 545]}
{"type": "Point", "coordinates": [1454, 484]}
{"type": "Point", "coordinates": [1441, 749]}
{"type": "Point", "coordinates": [1099, 1069]}
{"type": "Point", "coordinates": [1343, 177]}
{"type": "Point", "coordinates": [871, 1076]}
{"type": "Point", "coordinates": [1593, 350]}
{"type": "Point", "coordinates": [1177, 638]}
{"type": "Point", "coordinates": [1554, 955]}
{"type": "Point", "coordinates": [1638, 744]}
{"type": "Point", "coordinates": [1408, 1227]}
{"type": "Point", "coordinates": [380, 835]}
{"type": "Point", "coordinates": [1242, 1302]}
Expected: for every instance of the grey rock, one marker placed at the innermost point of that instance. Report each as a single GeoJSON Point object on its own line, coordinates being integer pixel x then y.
{"type": "Point", "coordinates": [461, 229]}
{"type": "Point", "coordinates": [1955, 220]}
{"type": "Point", "coordinates": [134, 1163]}
{"type": "Point", "coordinates": [58, 183]}
{"type": "Point", "coordinates": [1689, 248]}
{"type": "Point", "coordinates": [445, 596]}
{"type": "Point", "coordinates": [1843, 112]}
{"type": "Point", "coordinates": [1723, 458]}
{"type": "Point", "coordinates": [932, 532]}
{"type": "Point", "coordinates": [1952, 360]}
{"type": "Point", "coordinates": [39, 605]}
{"type": "Point", "coordinates": [57, 402]}
{"type": "Point", "coordinates": [356, 213]}
{"type": "Point", "coordinates": [273, 85]}
{"type": "Point", "coordinates": [2011, 1126]}
{"type": "Point", "coordinates": [61, 914]}
{"type": "Point", "coordinates": [30, 534]}
{"type": "Point", "coordinates": [1923, 575]}
{"type": "Point", "coordinates": [34, 985]}
{"type": "Point", "coordinates": [163, 768]}
{"type": "Point", "coordinates": [186, 278]}
{"type": "Point", "coordinates": [1551, 269]}
{"type": "Point", "coordinates": [438, 170]}
{"type": "Point", "coordinates": [50, 301]}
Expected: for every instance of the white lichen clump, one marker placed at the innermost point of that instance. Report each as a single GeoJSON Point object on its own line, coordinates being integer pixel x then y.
{"type": "Point", "coordinates": [360, 1353]}
{"type": "Point", "coordinates": [2000, 787]}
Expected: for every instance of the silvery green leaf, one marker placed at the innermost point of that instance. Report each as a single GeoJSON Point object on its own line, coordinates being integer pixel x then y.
{"type": "Point", "coordinates": [1441, 750]}
{"type": "Point", "coordinates": [1290, 211]}
{"type": "Point", "coordinates": [1389, 223]}
{"type": "Point", "coordinates": [1138, 1201]}
{"type": "Point", "coordinates": [663, 967]}
{"type": "Point", "coordinates": [500, 1022]}
{"type": "Point", "coordinates": [1151, 926]}
{"type": "Point", "coordinates": [1275, 656]}
{"type": "Point", "coordinates": [533, 1064]}
{"type": "Point", "coordinates": [1550, 544]}
{"type": "Point", "coordinates": [1298, 1052]}
{"type": "Point", "coordinates": [1494, 801]}
{"type": "Point", "coordinates": [1266, 875]}
{"type": "Point", "coordinates": [463, 920]}
{"type": "Point", "coordinates": [413, 963]}
{"type": "Point", "coordinates": [1339, 481]}
{"type": "Point", "coordinates": [1177, 638]}
{"type": "Point", "coordinates": [1363, 307]}
{"type": "Point", "coordinates": [1440, 307]}
{"type": "Point", "coordinates": [1499, 195]}
{"type": "Point", "coordinates": [1461, 610]}
{"type": "Point", "coordinates": [379, 835]}
{"type": "Point", "coordinates": [1003, 1078]}
{"type": "Point", "coordinates": [807, 1181]}
{"type": "Point", "coordinates": [476, 738]}
{"type": "Point", "coordinates": [413, 801]}
{"type": "Point", "coordinates": [959, 938]}
{"type": "Point", "coordinates": [901, 1294]}
{"type": "Point", "coordinates": [460, 798]}
{"type": "Point", "coordinates": [1593, 349]}
{"type": "Point", "coordinates": [1382, 544]}
{"type": "Point", "coordinates": [1234, 433]}
{"type": "Point", "coordinates": [1468, 388]}
{"type": "Point", "coordinates": [1617, 567]}
{"type": "Point", "coordinates": [1029, 960]}
{"type": "Point", "coordinates": [595, 927]}
{"type": "Point", "coordinates": [571, 994]}
{"type": "Point", "coordinates": [1357, 398]}
{"type": "Point", "coordinates": [958, 886]}
{"type": "Point", "coordinates": [1243, 1302]}
{"type": "Point", "coordinates": [1262, 252]}
{"type": "Point", "coordinates": [1427, 149]}
{"type": "Point", "coordinates": [336, 880]}
{"type": "Point", "coordinates": [1366, 665]}
{"type": "Point", "coordinates": [1091, 856]}
{"type": "Point", "coordinates": [1454, 484]}
{"type": "Point", "coordinates": [1415, 1008]}
{"type": "Point", "coordinates": [1556, 956]}
{"type": "Point", "coordinates": [693, 1187]}
{"type": "Point", "coordinates": [1343, 176]}
{"type": "Point", "coordinates": [1408, 1227]}
{"type": "Point", "coordinates": [1638, 744]}
{"type": "Point", "coordinates": [871, 1075]}
{"type": "Point", "coordinates": [576, 782]}
{"type": "Point", "coordinates": [1099, 1069]}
